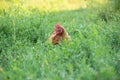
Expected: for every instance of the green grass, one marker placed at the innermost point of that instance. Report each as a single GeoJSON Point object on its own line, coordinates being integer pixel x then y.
{"type": "Point", "coordinates": [92, 54]}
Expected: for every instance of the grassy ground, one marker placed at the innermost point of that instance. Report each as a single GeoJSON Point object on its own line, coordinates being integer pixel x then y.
{"type": "Point", "coordinates": [92, 54]}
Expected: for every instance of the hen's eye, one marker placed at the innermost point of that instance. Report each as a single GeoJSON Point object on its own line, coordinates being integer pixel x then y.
{"type": "Point", "coordinates": [60, 30]}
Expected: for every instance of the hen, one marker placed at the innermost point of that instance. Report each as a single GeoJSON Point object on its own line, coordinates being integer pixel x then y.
{"type": "Point", "coordinates": [60, 34]}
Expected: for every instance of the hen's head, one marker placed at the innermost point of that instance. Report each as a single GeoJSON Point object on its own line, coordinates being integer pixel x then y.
{"type": "Point", "coordinates": [59, 29]}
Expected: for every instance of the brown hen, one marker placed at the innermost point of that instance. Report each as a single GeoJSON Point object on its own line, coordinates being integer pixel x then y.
{"type": "Point", "coordinates": [60, 34]}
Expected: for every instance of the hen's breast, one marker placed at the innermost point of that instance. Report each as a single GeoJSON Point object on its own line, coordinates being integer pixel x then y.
{"type": "Point", "coordinates": [56, 39]}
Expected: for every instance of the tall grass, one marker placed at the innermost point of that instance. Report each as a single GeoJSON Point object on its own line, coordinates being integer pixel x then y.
{"type": "Point", "coordinates": [92, 54]}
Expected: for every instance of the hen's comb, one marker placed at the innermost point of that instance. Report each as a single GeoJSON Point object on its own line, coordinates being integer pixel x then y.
{"type": "Point", "coordinates": [58, 25]}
